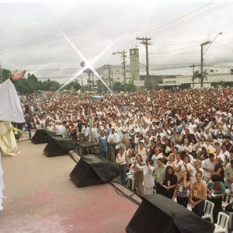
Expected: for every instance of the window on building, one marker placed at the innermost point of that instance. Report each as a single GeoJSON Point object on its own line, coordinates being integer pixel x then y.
{"type": "Point", "coordinates": [211, 71]}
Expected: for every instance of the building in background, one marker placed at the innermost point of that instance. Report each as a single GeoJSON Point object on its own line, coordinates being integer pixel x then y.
{"type": "Point", "coordinates": [217, 76]}
{"type": "Point", "coordinates": [114, 73]}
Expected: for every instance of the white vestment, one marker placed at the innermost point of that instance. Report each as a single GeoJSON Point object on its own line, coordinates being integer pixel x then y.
{"type": "Point", "coordinates": [11, 111]}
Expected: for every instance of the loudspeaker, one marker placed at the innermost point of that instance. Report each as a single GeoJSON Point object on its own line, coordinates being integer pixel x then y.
{"type": "Point", "coordinates": [93, 170]}
{"type": "Point", "coordinates": [58, 146]}
{"type": "Point", "coordinates": [159, 214]}
{"type": "Point", "coordinates": [42, 136]}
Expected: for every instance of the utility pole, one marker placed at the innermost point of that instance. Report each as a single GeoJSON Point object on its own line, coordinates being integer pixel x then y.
{"type": "Point", "coordinates": [123, 54]}
{"type": "Point", "coordinates": [109, 75]}
{"type": "Point", "coordinates": [193, 66]}
{"type": "Point", "coordinates": [145, 41]}
{"type": "Point", "coordinates": [202, 60]}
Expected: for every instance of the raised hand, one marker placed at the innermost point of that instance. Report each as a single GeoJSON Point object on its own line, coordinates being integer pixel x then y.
{"type": "Point", "coordinates": [17, 75]}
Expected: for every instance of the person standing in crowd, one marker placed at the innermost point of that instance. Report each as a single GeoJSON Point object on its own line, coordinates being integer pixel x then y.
{"type": "Point", "coordinates": [158, 154]}
{"type": "Point", "coordinates": [197, 168]}
{"type": "Point", "coordinates": [178, 166]}
{"type": "Point", "coordinates": [10, 111]}
{"type": "Point", "coordinates": [182, 189]}
{"type": "Point", "coordinates": [208, 167]}
{"type": "Point", "coordinates": [229, 173]}
{"type": "Point", "coordinates": [103, 144]}
{"type": "Point", "coordinates": [138, 175]}
{"type": "Point", "coordinates": [171, 160]}
{"type": "Point", "coordinates": [122, 160]}
{"type": "Point", "coordinates": [198, 195]}
{"type": "Point", "coordinates": [216, 191]}
{"type": "Point", "coordinates": [219, 168]}
{"type": "Point", "coordinates": [142, 150]}
{"type": "Point", "coordinates": [148, 172]}
{"type": "Point", "coordinates": [113, 140]}
{"type": "Point", "coordinates": [159, 175]}
{"type": "Point", "coordinates": [188, 167]}
{"type": "Point", "coordinates": [169, 183]}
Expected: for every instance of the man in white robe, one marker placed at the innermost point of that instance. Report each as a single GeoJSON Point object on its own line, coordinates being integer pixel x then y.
{"type": "Point", "coordinates": [10, 111]}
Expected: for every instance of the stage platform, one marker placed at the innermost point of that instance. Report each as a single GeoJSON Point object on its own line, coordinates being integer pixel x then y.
{"type": "Point", "coordinates": [41, 198]}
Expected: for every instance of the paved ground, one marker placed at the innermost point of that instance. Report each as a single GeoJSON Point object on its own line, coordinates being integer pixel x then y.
{"type": "Point", "coordinates": [41, 198]}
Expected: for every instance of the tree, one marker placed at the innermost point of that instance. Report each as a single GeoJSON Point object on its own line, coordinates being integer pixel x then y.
{"type": "Point", "coordinates": [51, 85]}
{"type": "Point", "coordinates": [100, 86]}
{"type": "Point", "coordinates": [117, 86]}
{"type": "Point", "coordinates": [197, 74]}
{"type": "Point", "coordinates": [129, 87]}
{"type": "Point", "coordinates": [73, 86]}
{"type": "Point", "coordinates": [6, 74]}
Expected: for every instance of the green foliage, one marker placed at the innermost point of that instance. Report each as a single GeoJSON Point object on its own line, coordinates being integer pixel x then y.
{"type": "Point", "coordinates": [31, 83]}
{"type": "Point", "coordinates": [73, 86]}
{"type": "Point", "coordinates": [117, 86]}
{"type": "Point", "coordinates": [5, 74]}
{"type": "Point", "coordinates": [129, 87]}
{"type": "Point", "coordinates": [219, 84]}
{"type": "Point", "coordinates": [197, 75]}
{"type": "Point", "coordinates": [101, 87]}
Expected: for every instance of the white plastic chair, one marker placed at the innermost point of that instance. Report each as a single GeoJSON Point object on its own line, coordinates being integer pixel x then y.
{"type": "Point", "coordinates": [222, 223]}
{"type": "Point", "coordinates": [208, 210]}
{"type": "Point", "coordinates": [130, 180]}
{"type": "Point", "coordinates": [226, 202]}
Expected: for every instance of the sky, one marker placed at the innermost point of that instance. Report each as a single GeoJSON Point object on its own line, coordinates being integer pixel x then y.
{"type": "Point", "coordinates": [34, 36]}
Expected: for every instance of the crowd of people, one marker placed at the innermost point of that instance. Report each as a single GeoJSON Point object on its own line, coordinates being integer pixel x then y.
{"type": "Point", "coordinates": [177, 143]}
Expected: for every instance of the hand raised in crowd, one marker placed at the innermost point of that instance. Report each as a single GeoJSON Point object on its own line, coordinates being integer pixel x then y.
{"type": "Point", "coordinates": [18, 75]}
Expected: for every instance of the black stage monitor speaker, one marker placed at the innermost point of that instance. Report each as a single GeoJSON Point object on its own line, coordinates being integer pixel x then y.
{"type": "Point", "coordinates": [42, 136]}
{"type": "Point", "coordinates": [92, 170]}
{"type": "Point", "coordinates": [159, 214]}
{"type": "Point", "coordinates": [58, 146]}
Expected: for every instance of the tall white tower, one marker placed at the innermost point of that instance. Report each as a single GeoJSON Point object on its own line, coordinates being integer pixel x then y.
{"type": "Point", "coordinates": [134, 64]}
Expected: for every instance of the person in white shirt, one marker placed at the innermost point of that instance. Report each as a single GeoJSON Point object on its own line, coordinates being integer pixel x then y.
{"type": "Point", "coordinates": [189, 167]}
{"type": "Point", "coordinates": [113, 137]}
{"type": "Point", "coordinates": [229, 173]}
{"type": "Point", "coordinates": [224, 155]}
{"type": "Point", "coordinates": [60, 129]}
{"type": "Point", "coordinates": [178, 166]}
{"type": "Point", "coordinates": [158, 154]}
{"type": "Point", "coordinates": [171, 160]}
{"type": "Point", "coordinates": [10, 111]}
{"type": "Point", "coordinates": [122, 160]}
{"type": "Point", "coordinates": [208, 167]}
{"type": "Point", "coordinates": [113, 140]}
{"type": "Point", "coordinates": [148, 171]}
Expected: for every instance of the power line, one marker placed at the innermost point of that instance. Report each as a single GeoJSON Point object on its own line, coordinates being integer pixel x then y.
{"type": "Point", "coordinates": [191, 19]}
{"type": "Point", "coordinates": [148, 33]}
{"type": "Point", "coordinates": [170, 22]}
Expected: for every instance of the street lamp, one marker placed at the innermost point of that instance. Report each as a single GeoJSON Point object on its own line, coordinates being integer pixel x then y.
{"type": "Point", "coordinates": [123, 53]}
{"type": "Point", "coordinates": [202, 54]}
{"type": "Point", "coordinates": [220, 33]}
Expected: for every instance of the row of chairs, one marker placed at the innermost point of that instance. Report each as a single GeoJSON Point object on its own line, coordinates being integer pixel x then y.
{"type": "Point", "coordinates": [223, 219]}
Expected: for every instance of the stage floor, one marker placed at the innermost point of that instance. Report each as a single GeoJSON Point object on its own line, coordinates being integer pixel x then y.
{"type": "Point", "coordinates": [41, 198]}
